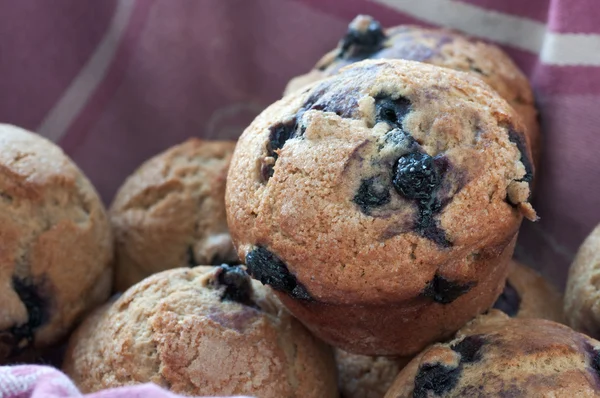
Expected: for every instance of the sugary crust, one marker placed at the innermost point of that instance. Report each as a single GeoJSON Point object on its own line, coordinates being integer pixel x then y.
{"type": "Point", "coordinates": [171, 212]}
{"type": "Point", "coordinates": [57, 245]}
{"type": "Point", "coordinates": [582, 297]}
{"type": "Point", "coordinates": [175, 330]}
{"type": "Point", "coordinates": [450, 49]}
{"type": "Point", "coordinates": [505, 357]}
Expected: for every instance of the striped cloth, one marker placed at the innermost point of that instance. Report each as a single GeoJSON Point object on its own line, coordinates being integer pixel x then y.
{"type": "Point", "coordinates": [116, 81]}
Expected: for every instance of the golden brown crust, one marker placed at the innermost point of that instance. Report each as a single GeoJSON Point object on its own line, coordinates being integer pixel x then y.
{"type": "Point", "coordinates": [450, 49]}
{"type": "Point", "coordinates": [499, 356]}
{"type": "Point", "coordinates": [307, 215]}
{"type": "Point", "coordinates": [175, 329]}
{"type": "Point", "coordinates": [171, 212]}
{"type": "Point", "coordinates": [582, 297]}
{"type": "Point", "coordinates": [56, 243]}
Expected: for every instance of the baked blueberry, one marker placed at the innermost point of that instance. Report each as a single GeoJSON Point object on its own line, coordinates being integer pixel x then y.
{"type": "Point", "coordinates": [509, 301]}
{"type": "Point", "coordinates": [469, 348]}
{"type": "Point", "coordinates": [594, 358]}
{"type": "Point", "coordinates": [391, 111]}
{"type": "Point", "coordinates": [364, 37]}
{"type": "Point", "coordinates": [37, 314]}
{"type": "Point", "coordinates": [372, 193]}
{"type": "Point", "coordinates": [519, 140]}
{"type": "Point", "coordinates": [498, 356]}
{"type": "Point", "coordinates": [238, 286]}
{"type": "Point", "coordinates": [435, 378]}
{"type": "Point", "coordinates": [266, 267]}
{"type": "Point", "coordinates": [416, 177]}
{"type": "Point", "coordinates": [527, 294]}
{"type": "Point", "coordinates": [278, 136]}
{"type": "Point", "coordinates": [445, 291]}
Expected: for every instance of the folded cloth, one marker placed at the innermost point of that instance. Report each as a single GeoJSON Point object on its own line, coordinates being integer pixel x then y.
{"type": "Point", "coordinates": [36, 381]}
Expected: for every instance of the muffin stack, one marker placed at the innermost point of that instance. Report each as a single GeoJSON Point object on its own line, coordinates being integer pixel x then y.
{"type": "Point", "coordinates": [356, 241]}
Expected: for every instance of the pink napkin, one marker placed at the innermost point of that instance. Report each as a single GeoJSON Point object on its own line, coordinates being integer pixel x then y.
{"type": "Point", "coordinates": [33, 381]}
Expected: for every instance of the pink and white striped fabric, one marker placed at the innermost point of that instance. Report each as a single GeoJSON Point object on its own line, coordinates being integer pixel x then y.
{"type": "Point", "coordinates": [32, 381]}
{"type": "Point", "coordinates": [116, 81]}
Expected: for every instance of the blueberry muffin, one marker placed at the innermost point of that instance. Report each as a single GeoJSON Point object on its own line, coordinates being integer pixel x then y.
{"type": "Point", "coordinates": [582, 297]}
{"type": "Point", "coordinates": [528, 294]}
{"type": "Point", "coordinates": [171, 212]}
{"type": "Point", "coordinates": [382, 203]}
{"type": "Point", "coordinates": [497, 356]}
{"type": "Point", "coordinates": [57, 246]}
{"type": "Point", "coordinates": [366, 38]}
{"type": "Point", "coordinates": [362, 376]}
{"type": "Point", "coordinates": [201, 331]}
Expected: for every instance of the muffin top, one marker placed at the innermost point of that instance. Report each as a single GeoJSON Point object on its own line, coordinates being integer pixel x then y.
{"type": "Point", "coordinates": [497, 356]}
{"type": "Point", "coordinates": [395, 163]}
{"type": "Point", "coordinates": [366, 39]}
{"type": "Point", "coordinates": [201, 331]}
{"type": "Point", "coordinates": [171, 212]}
{"type": "Point", "coordinates": [57, 245]}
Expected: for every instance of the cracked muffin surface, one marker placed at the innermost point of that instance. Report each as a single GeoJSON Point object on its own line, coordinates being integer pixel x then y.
{"type": "Point", "coordinates": [57, 245]}
{"type": "Point", "coordinates": [170, 212]}
{"type": "Point", "coordinates": [367, 39]}
{"type": "Point", "coordinates": [382, 203]}
{"type": "Point", "coordinates": [497, 356]}
{"type": "Point", "coordinates": [201, 331]}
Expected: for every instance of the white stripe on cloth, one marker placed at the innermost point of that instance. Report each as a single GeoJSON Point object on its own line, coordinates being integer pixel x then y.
{"type": "Point", "coordinates": [68, 107]}
{"type": "Point", "coordinates": [523, 33]}
{"type": "Point", "coordinates": [571, 49]}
